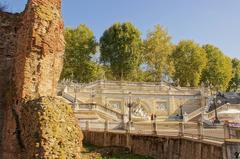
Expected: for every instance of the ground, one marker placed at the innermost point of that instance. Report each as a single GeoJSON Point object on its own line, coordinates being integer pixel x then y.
{"type": "Point", "coordinates": [94, 152]}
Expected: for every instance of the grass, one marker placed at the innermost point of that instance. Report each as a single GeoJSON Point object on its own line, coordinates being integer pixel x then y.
{"type": "Point", "coordinates": [107, 153]}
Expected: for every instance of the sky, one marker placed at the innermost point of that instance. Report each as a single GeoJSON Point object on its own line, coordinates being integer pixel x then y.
{"type": "Point", "coordinates": [215, 22]}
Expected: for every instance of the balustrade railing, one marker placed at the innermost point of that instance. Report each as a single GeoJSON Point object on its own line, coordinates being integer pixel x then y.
{"type": "Point", "coordinates": [100, 108]}
{"type": "Point", "coordinates": [181, 129]}
{"type": "Point", "coordinates": [92, 106]}
{"type": "Point", "coordinates": [194, 113]}
{"type": "Point", "coordinates": [142, 85]}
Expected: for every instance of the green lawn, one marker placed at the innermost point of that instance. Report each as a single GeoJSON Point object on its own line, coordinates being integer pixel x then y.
{"type": "Point", "coordinates": [94, 152]}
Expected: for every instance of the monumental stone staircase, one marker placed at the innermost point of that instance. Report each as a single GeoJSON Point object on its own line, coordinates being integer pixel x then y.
{"type": "Point", "coordinates": [208, 115]}
{"type": "Point", "coordinates": [92, 110]}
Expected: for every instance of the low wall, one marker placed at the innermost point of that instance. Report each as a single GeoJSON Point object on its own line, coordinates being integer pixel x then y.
{"type": "Point", "coordinates": [158, 147]}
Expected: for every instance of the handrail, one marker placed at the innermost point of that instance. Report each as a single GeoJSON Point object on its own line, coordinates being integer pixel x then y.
{"type": "Point", "coordinates": [188, 132]}
{"type": "Point", "coordinates": [212, 113]}
{"type": "Point", "coordinates": [209, 114]}
{"type": "Point", "coordinates": [127, 83]}
{"type": "Point", "coordinates": [195, 113]}
{"type": "Point", "coordinates": [93, 106]}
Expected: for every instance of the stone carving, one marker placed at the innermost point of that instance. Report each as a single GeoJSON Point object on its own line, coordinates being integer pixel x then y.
{"type": "Point", "coordinates": [139, 111]}
{"type": "Point", "coordinates": [161, 106]}
{"type": "Point", "coordinates": [115, 105]}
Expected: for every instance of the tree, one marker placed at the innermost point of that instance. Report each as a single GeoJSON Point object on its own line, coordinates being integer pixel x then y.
{"type": "Point", "coordinates": [234, 84]}
{"type": "Point", "coordinates": [189, 60]}
{"type": "Point", "coordinates": [120, 48]}
{"type": "Point", "coordinates": [157, 51]}
{"type": "Point", "coordinates": [80, 47]}
{"type": "Point", "coordinates": [218, 72]}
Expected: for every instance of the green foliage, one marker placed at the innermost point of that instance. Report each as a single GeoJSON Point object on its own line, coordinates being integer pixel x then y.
{"type": "Point", "coordinates": [122, 53]}
{"type": "Point", "coordinates": [80, 46]}
{"type": "Point", "coordinates": [92, 151]}
{"type": "Point", "coordinates": [120, 48]}
{"type": "Point", "coordinates": [218, 72]}
{"type": "Point", "coordinates": [234, 84]}
{"type": "Point", "coordinates": [189, 61]}
{"type": "Point", "coordinates": [157, 51]}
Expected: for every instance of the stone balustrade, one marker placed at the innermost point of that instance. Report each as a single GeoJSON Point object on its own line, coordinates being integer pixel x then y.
{"type": "Point", "coordinates": [176, 140]}
{"type": "Point", "coordinates": [182, 129]}
{"type": "Point", "coordinates": [158, 147]}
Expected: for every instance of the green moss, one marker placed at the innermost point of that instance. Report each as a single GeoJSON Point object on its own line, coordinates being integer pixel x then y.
{"type": "Point", "coordinates": [43, 135]}
{"type": "Point", "coordinates": [92, 152]}
{"type": "Point", "coordinates": [44, 12]}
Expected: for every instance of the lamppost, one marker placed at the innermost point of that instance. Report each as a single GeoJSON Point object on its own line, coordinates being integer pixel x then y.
{"type": "Point", "coordinates": [215, 103]}
{"type": "Point", "coordinates": [181, 112]}
{"type": "Point", "coordinates": [92, 95]}
{"type": "Point", "coordinates": [154, 123]}
{"type": "Point", "coordinates": [130, 105]}
{"type": "Point", "coordinates": [75, 103]}
{"type": "Point", "coordinates": [237, 154]}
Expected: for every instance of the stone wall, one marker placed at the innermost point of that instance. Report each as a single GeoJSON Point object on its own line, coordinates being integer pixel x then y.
{"type": "Point", "coordinates": [156, 146]}
{"type": "Point", "coordinates": [9, 25]}
{"type": "Point", "coordinates": [233, 148]}
{"type": "Point", "coordinates": [54, 132]}
{"type": "Point", "coordinates": [31, 56]}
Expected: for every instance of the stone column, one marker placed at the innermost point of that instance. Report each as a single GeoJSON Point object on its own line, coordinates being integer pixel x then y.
{"type": "Point", "coordinates": [181, 129]}
{"type": "Point", "coordinates": [154, 127]}
{"type": "Point", "coordinates": [87, 125]}
{"type": "Point", "coordinates": [128, 142]}
{"type": "Point", "coordinates": [129, 127]}
{"type": "Point", "coordinates": [226, 131]}
{"type": "Point", "coordinates": [171, 101]}
{"type": "Point", "coordinates": [200, 130]}
{"type": "Point", "coordinates": [32, 48]}
{"type": "Point", "coordinates": [106, 126]}
{"type": "Point", "coordinates": [32, 57]}
{"type": "Point", "coordinates": [65, 90]}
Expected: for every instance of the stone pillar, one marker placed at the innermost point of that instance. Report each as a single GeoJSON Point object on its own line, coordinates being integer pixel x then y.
{"type": "Point", "coordinates": [181, 129]}
{"type": "Point", "coordinates": [172, 104]}
{"type": "Point", "coordinates": [226, 131]}
{"type": "Point", "coordinates": [154, 128]}
{"type": "Point", "coordinates": [106, 128]}
{"type": "Point", "coordinates": [87, 125]}
{"type": "Point", "coordinates": [200, 130]}
{"type": "Point", "coordinates": [31, 56]}
{"type": "Point", "coordinates": [128, 142]}
{"type": "Point", "coordinates": [75, 106]}
{"type": "Point", "coordinates": [129, 127]}
{"type": "Point", "coordinates": [65, 90]}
